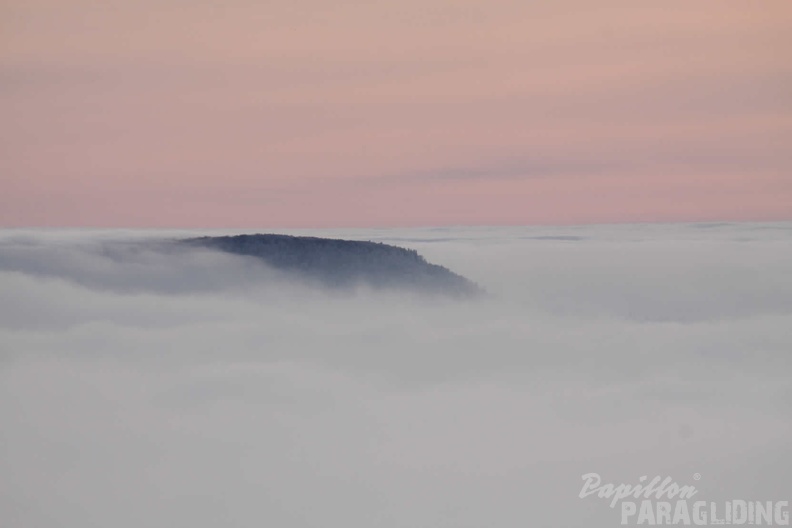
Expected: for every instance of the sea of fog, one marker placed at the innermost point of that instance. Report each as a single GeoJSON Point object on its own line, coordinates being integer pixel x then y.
{"type": "Point", "coordinates": [149, 388]}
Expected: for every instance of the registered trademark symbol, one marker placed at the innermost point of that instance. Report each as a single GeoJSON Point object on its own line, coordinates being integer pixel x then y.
{"type": "Point", "coordinates": [696, 476]}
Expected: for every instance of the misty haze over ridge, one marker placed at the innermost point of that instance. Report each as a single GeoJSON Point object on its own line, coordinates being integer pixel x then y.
{"type": "Point", "coordinates": [337, 263]}
{"type": "Point", "coordinates": [160, 389]}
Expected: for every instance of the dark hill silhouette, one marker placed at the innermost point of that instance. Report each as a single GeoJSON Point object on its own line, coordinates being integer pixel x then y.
{"type": "Point", "coordinates": [345, 263]}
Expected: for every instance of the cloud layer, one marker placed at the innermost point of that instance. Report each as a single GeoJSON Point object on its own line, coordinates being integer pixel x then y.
{"type": "Point", "coordinates": [142, 387]}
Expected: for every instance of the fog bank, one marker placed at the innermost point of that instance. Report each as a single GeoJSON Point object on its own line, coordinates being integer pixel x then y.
{"type": "Point", "coordinates": [147, 387]}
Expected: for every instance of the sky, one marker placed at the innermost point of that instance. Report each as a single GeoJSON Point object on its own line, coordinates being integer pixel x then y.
{"type": "Point", "coordinates": [143, 386]}
{"type": "Point", "coordinates": [307, 113]}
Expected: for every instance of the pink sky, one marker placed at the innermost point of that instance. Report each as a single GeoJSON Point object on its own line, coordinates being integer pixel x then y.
{"type": "Point", "coordinates": [308, 113]}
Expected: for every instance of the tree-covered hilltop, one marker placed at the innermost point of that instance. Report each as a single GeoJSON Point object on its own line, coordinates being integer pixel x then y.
{"type": "Point", "coordinates": [345, 263]}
